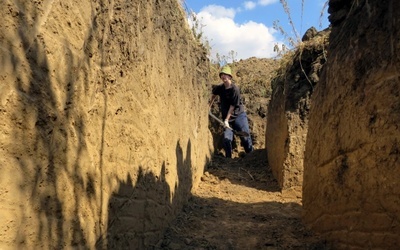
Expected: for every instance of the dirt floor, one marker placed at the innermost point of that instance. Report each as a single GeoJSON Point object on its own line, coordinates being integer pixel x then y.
{"type": "Point", "coordinates": [238, 205]}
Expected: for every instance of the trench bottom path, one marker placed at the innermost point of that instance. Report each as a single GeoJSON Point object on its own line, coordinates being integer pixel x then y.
{"type": "Point", "coordinates": [238, 205]}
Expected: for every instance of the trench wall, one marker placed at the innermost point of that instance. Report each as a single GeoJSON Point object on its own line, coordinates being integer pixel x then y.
{"type": "Point", "coordinates": [103, 119]}
{"type": "Point", "coordinates": [351, 189]}
{"type": "Point", "coordinates": [288, 109]}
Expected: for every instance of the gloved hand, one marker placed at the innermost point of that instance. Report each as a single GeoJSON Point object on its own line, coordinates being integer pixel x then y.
{"type": "Point", "coordinates": [226, 124]}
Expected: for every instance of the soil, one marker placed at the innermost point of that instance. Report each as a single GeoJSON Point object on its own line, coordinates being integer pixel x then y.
{"type": "Point", "coordinates": [238, 205]}
{"type": "Point", "coordinates": [73, 145]}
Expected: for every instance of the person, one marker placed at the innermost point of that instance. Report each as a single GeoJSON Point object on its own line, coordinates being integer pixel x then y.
{"type": "Point", "coordinates": [232, 110]}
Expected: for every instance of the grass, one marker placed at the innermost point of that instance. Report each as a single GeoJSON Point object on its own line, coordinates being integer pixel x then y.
{"type": "Point", "coordinates": [293, 41]}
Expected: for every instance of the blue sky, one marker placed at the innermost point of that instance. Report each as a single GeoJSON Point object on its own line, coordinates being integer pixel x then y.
{"type": "Point", "coordinates": [246, 26]}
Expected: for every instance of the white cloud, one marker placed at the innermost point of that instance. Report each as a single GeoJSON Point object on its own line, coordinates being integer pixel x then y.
{"type": "Point", "coordinates": [219, 11]}
{"type": "Point", "coordinates": [266, 2]}
{"type": "Point", "coordinates": [249, 5]}
{"type": "Point", "coordinates": [249, 39]}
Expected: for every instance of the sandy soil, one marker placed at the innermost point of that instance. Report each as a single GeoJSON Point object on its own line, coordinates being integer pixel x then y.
{"type": "Point", "coordinates": [238, 205]}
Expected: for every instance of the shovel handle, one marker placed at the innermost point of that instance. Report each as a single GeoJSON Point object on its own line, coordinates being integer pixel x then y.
{"type": "Point", "coordinates": [217, 119]}
{"type": "Point", "coordinates": [241, 133]}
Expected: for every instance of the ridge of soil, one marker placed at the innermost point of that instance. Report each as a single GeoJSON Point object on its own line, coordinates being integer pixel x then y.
{"type": "Point", "coordinates": [238, 205]}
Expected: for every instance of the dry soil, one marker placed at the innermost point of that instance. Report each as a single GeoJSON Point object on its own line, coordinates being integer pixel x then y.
{"type": "Point", "coordinates": [238, 205]}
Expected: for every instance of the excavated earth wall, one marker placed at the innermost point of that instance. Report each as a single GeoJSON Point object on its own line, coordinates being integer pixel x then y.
{"type": "Point", "coordinates": [103, 119]}
{"type": "Point", "coordinates": [351, 192]}
{"type": "Point", "coordinates": [288, 110]}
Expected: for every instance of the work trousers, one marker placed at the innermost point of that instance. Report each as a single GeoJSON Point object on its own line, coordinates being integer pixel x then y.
{"type": "Point", "coordinates": [239, 124]}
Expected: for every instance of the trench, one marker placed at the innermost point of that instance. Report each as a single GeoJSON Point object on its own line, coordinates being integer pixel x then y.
{"type": "Point", "coordinates": [239, 205]}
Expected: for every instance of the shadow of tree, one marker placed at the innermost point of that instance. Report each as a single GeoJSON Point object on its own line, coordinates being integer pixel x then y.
{"type": "Point", "coordinates": [61, 179]}
{"type": "Point", "coordinates": [139, 213]}
{"type": "Point", "coordinates": [48, 142]}
{"type": "Point", "coordinates": [212, 223]}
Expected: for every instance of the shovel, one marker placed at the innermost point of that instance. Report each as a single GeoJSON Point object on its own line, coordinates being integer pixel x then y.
{"type": "Point", "coordinates": [239, 133]}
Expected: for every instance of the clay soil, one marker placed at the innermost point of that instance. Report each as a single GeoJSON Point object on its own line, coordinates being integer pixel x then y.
{"type": "Point", "coordinates": [238, 205]}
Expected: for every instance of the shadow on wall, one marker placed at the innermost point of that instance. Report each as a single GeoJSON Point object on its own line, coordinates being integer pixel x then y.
{"type": "Point", "coordinates": [58, 200]}
{"type": "Point", "coordinates": [138, 214]}
{"type": "Point", "coordinates": [58, 193]}
{"type": "Point", "coordinates": [53, 185]}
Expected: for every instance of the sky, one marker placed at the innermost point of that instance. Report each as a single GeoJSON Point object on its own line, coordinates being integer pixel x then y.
{"type": "Point", "coordinates": [246, 27]}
